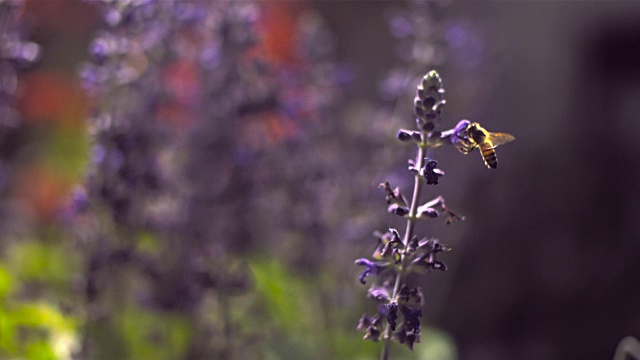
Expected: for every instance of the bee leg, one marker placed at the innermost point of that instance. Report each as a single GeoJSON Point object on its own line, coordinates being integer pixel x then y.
{"type": "Point", "coordinates": [469, 149]}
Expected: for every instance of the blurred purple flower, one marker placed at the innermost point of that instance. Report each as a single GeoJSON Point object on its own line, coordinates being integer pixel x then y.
{"type": "Point", "coordinates": [16, 53]}
{"type": "Point", "coordinates": [467, 46]}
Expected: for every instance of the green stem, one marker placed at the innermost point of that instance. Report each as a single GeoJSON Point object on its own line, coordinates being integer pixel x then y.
{"type": "Point", "coordinates": [411, 221]}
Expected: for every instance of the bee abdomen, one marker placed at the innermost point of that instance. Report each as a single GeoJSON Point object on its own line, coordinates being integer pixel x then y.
{"type": "Point", "coordinates": [489, 156]}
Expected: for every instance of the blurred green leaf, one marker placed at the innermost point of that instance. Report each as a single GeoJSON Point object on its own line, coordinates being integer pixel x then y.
{"type": "Point", "coordinates": [39, 350]}
{"type": "Point", "coordinates": [5, 282]}
{"type": "Point", "coordinates": [350, 345]}
{"type": "Point", "coordinates": [40, 315]}
{"type": "Point", "coordinates": [291, 308]}
{"type": "Point", "coordinates": [39, 261]}
{"type": "Point", "coordinates": [7, 343]}
{"type": "Point", "coordinates": [154, 335]}
{"type": "Point", "coordinates": [435, 345]}
{"type": "Point", "coordinates": [45, 333]}
{"type": "Point", "coordinates": [284, 295]}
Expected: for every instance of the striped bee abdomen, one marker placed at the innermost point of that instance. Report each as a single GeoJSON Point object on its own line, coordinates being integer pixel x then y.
{"type": "Point", "coordinates": [489, 155]}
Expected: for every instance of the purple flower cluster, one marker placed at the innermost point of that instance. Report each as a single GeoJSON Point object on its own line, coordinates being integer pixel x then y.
{"type": "Point", "coordinates": [294, 179]}
{"type": "Point", "coordinates": [174, 82]}
{"type": "Point", "coordinates": [396, 255]}
{"type": "Point", "coordinates": [16, 53]}
{"type": "Point", "coordinates": [421, 44]}
{"type": "Point", "coordinates": [238, 87]}
{"type": "Point", "coordinates": [125, 175]}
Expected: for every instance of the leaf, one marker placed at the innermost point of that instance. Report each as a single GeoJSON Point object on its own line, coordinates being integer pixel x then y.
{"type": "Point", "coordinates": [5, 282]}
{"type": "Point", "coordinates": [50, 263]}
{"type": "Point", "coordinates": [282, 294]}
{"type": "Point", "coordinates": [40, 315]}
{"type": "Point", "coordinates": [58, 341]}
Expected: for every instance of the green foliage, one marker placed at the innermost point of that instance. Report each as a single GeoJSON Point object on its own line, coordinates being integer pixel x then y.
{"type": "Point", "coordinates": [348, 344]}
{"type": "Point", "coordinates": [5, 282]}
{"type": "Point", "coordinates": [297, 322]}
{"type": "Point", "coordinates": [291, 311]}
{"type": "Point", "coordinates": [155, 335]}
{"type": "Point", "coordinates": [42, 262]}
{"type": "Point", "coordinates": [435, 345]}
{"type": "Point", "coordinates": [284, 295]}
{"type": "Point", "coordinates": [35, 330]}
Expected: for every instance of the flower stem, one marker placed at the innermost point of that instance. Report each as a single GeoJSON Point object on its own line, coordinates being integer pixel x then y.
{"type": "Point", "coordinates": [411, 221]}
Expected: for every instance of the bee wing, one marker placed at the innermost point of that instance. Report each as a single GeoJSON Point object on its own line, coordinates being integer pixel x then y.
{"type": "Point", "coordinates": [500, 138]}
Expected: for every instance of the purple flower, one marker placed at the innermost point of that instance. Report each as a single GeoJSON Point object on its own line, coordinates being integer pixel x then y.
{"type": "Point", "coordinates": [392, 315]}
{"type": "Point", "coordinates": [16, 53]}
{"type": "Point", "coordinates": [430, 173]}
{"type": "Point", "coordinates": [371, 268]}
{"type": "Point", "coordinates": [411, 318]}
{"type": "Point", "coordinates": [393, 196]}
{"type": "Point", "coordinates": [460, 136]}
{"type": "Point", "coordinates": [372, 325]}
{"type": "Point", "coordinates": [410, 295]}
{"type": "Point", "coordinates": [379, 293]}
{"type": "Point", "coordinates": [408, 337]}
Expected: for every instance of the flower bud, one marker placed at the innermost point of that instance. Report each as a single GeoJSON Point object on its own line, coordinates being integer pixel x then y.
{"type": "Point", "coordinates": [409, 135]}
{"type": "Point", "coordinates": [429, 101]}
{"type": "Point", "coordinates": [431, 80]}
{"type": "Point", "coordinates": [398, 210]}
{"type": "Point", "coordinates": [427, 212]}
{"type": "Point", "coordinates": [392, 315]}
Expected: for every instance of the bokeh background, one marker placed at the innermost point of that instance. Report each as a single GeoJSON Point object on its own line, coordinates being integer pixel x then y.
{"type": "Point", "coordinates": [202, 191]}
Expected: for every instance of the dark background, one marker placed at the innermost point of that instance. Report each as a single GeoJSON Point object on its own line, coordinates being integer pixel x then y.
{"type": "Point", "coordinates": [547, 264]}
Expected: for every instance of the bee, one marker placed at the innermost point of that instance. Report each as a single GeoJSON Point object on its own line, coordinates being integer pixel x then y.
{"type": "Point", "coordinates": [468, 136]}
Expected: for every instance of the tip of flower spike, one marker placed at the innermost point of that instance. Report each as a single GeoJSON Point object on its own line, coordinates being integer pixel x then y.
{"type": "Point", "coordinates": [431, 80]}
{"type": "Point", "coordinates": [429, 101]}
